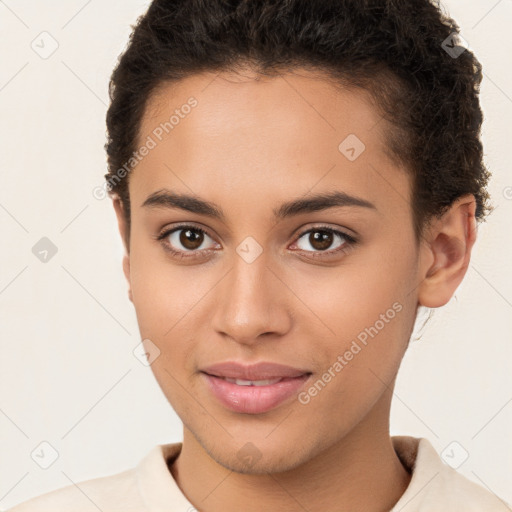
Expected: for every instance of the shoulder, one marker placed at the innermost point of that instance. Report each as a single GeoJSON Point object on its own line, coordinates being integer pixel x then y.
{"type": "Point", "coordinates": [113, 493]}
{"type": "Point", "coordinates": [147, 486]}
{"type": "Point", "coordinates": [437, 487]}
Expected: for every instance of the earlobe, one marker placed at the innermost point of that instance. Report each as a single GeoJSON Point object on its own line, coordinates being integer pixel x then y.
{"type": "Point", "coordinates": [446, 252]}
{"type": "Point", "coordinates": [121, 222]}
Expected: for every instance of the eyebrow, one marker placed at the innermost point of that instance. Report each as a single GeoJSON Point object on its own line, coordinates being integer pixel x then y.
{"type": "Point", "coordinates": [314, 203]}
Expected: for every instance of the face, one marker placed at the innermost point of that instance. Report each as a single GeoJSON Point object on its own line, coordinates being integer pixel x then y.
{"type": "Point", "coordinates": [329, 289]}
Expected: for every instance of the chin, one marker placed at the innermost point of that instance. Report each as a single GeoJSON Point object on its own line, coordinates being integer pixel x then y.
{"type": "Point", "coordinates": [264, 466]}
{"type": "Point", "coordinates": [256, 458]}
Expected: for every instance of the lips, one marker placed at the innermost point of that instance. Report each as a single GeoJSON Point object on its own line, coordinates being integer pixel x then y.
{"type": "Point", "coordinates": [256, 388]}
{"type": "Point", "coordinates": [242, 382]}
{"type": "Point", "coordinates": [255, 372]}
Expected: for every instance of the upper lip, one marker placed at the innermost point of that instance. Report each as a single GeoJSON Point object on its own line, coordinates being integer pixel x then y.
{"type": "Point", "coordinates": [259, 371]}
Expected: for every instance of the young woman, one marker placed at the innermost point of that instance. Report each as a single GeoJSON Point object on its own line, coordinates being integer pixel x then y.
{"type": "Point", "coordinates": [292, 181]}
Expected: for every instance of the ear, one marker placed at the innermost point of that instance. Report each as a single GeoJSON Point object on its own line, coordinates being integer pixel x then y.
{"type": "Point", "coordinates": [446, 252]}
{"type": "Point", "coordinates": [121, 223]}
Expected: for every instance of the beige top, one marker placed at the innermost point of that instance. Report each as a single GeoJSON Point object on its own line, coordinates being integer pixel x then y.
{"type": "Point", "coordinates": [150, 487]}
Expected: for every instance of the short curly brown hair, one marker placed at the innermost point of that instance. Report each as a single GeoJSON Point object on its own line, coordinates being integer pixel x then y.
{"type": "Point", "coordinates": [397, 51]}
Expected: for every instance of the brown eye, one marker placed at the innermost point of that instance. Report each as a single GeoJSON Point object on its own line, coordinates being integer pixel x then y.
{"type": "Point", "coordinates": [321, 240]}
{"type": "Point", "coordinates": [184, 239]}
{"type": "Point", "coordinates": [191, 239]}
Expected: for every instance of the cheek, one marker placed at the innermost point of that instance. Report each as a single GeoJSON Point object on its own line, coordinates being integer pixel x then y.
{"type": "Point", "coordinates": [163, 293]}
{"type": "Point", "coordinates": [359, 363]}
{"type": "Point", "coordinates": [352, 297]}
{"type": "Point", "coordinates": [167, 301]}
{"type": "Point", "coordinates": [364, 313]}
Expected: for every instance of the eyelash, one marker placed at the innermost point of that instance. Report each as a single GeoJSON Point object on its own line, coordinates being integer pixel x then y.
{"type": "Point", "coordinates": [350, 241]}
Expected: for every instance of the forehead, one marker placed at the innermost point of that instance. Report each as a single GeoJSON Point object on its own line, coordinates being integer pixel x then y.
{"type": "Point", "coordinates": [307, 102]}
{"type": "Point", "coordinates": [239, 133]}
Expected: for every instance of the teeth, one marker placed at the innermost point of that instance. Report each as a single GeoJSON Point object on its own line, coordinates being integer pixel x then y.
{"type": "Point", "coordinates": [242, 382]}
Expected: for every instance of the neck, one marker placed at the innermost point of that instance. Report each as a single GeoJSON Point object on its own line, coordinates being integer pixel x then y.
{"type": "Point", "coordinates": [361, 472]}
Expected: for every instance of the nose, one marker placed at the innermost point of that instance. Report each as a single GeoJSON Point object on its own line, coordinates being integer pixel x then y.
{"type": "Point", "coordinates": [251, 302]}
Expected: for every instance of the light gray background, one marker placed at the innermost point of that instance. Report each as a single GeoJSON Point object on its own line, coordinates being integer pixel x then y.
{"type": "Point", "coordinates": [67, 328]}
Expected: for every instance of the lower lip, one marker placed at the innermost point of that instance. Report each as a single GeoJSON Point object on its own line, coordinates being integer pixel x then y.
{"type": "Point", "coordinates": [254, 399]}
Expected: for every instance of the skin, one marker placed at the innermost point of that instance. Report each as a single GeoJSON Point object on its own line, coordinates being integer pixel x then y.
{"type": "Point", "coordinates": [250, 145]}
